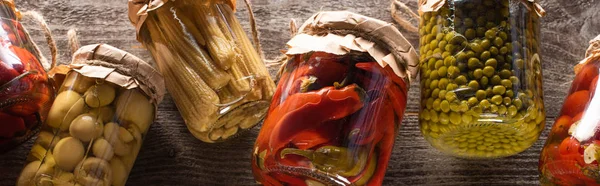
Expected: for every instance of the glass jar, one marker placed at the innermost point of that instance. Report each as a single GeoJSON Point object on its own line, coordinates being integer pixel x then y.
{"type": "Point", "coordinates": [25, 90]}
{"type": "Point", "coordinates": [217, 79]}
{"type": "Point", "coordinates": [338, 105]}
{"type": "Point", "coordinates": [481, 76]}
{"type": "Point", "coordinates": [97, 123]}
{"type": "Point", "coordinates": [570, 156]}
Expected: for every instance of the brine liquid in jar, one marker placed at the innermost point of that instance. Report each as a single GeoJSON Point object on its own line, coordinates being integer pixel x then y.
{"type": "Point", "coordinates": [25, 91]}
{"type": "Point", "coordinates": [92, 136]}
{"type": "Point", "coordinates": [570, 156]}
{"type": "Point", "coordinates": [333, 120]}
{"type": "Point", "coordinates": [481, 79]}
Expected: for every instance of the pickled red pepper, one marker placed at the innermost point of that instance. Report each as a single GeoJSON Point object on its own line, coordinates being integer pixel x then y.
{"type": "Point", "coordinates": [25, 91]}
{"type": "Point", "coordinates": [305, 126]}
{"type": "Point", "coordinates": [571, 153]}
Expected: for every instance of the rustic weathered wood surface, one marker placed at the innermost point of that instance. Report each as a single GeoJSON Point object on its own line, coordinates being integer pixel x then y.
{"type": "Point", "coordinates": [171, 156]}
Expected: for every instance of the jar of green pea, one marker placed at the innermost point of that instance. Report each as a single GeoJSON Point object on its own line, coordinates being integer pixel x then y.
{"type": "Point", "coordinates": [481, 76]}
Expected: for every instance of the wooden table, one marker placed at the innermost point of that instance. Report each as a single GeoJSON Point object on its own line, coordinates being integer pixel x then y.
{"type": "Point", "coordinates": [172, 156]}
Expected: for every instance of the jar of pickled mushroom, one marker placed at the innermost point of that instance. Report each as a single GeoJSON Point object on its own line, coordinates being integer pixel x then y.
{"type": "Point", "coordinates": [216, 77]}
{"type": "Point", "coordinates": [338, 104]}
{"type": "Point", "coordinates": [571, 153]}
{"type": "Point", "coordinates": [25, 90]}
{"type": "Point", "coordinates": [95, 127]}
{"type": "Point", "coordinates": [481, 76]}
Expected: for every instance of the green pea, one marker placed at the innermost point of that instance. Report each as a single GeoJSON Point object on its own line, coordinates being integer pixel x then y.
{"type": "Point", "coordinates": [480, 94]}
{"type": "Point", "coordinates": [434, 116]}
{"type": "Point", "coordinates": [514, 80]}
{"type": "Point", "coordinates": [506, 83]}
{"type": "Point", "coordinates": [498, 42]}
{"type": "Point", "coordinates": [478, 73]}
{"type": "Point", "coordinates": [499, 90]}
{"type": "Point", "coordinates": [466, 119]}
{"type": "Point", "coordinates": [473, 85]}
{"type": "Point", "coordinates": [512, 111]}
{"type": "Point", "coordinates": [429, 103]}
{"type": "Point", "coordinates": [455, 118]}
{"type": "Point", "coordinates": [493, 50]}
{"type": "Point", "coordinates": [425, 114]}
{"type": "Point", "coordinates": [493, 108]}
{"type": "Point", "coordinates": [453, 71]}
{"type": "Point", "coordinates": [480, 20]}
{"type": "Point", "coordinates": [439, 36]}
{"type": "Point", "coordinates": [454, 107]}
{"type": "Point", "coordinates": [488, 71]}
{"type": "Point", "coordinates": [484, 81]}
{"type": "Point", "coordinates": [450, 61]}
{"type": "Point", "coordinates": [505, 74]}
{"type": "Point", "coordinates": [486, 44]}
{"type": "Point", "coordinates": [490, 25]}
{"type": "Point", "coordinates": [448, 37]}
{"type": "Point", "coordinates": [435, 29]}
{"type": "Point", "coordinates": [470, 33]}
{"type": "Point", "coordinates": [491, 62]}
{"type": "Point", "coordinates": [437, 51]}
{"type": "Point", "coordinates": [474, 63]}
{"type": "Point", "coordinates": [461, 80]}
{"type": "Point", "coordinates": [476, 48]}
{"type": "Point", "coordinates": [445, 106]}
{"type": "Point", "coordinates": [434, 74]}
{"type": "Point", "coordinates": [470, 54]}
{"type": "Point", "coordinates": [436, 104]}
{"type": "Point", "coordinates": [462, 66]}
{"type": "Point", "coordinates": [461, 57]}
{"type": "Point", "coordinates": [484, 104]}
{"type": "Point", "coordinates": [444, 119]}
{"type": "Point", "coordinates": [480, 31]}
{"type": "Point", "coordinates": [497, 99]}
{"type": "Point", "coordinates": [433, 43]}
{"type": "Point", "coordinates": [490, 34]}
{"type": "Point", "coordinates": [443, 71]}
{"type": "Point", "coordinates": [485, 55]}
{"type": "Point", "coordinates": [442, 93]}
{"type": "Point", "coordinates": [431, 63]}
{"type": "Point", "coordinates": [501, 109]}
{"type": "Point", "coordinates": [503, 50]}
{"type": "Point", "coordinates": [443, 83]}
{"type": "Point", "coordinates": [507, 101]}
{"type": "Point", "coordinates": [472, 101]}
{"type": "Point", "coordinates": [442, 44]}
{"type": "Point", "coordinates": [435, 92]}
{"type": "Point", "coordinates": [450, 48]}
{"type": "Point", "coordinates": [496, 80]}
{"type": "Point", "coordinates": [468, 22]}
{"type": "Point", "coordinates": [503, 35]}
{"type": "Point", "coordinates": [464, 106]}
{"type": "Point", "coordinates": [439, 63]}
{"type": "Point", "coordinates": [450, 96]}
{"type": "Point", "coordinates": [433, 84]}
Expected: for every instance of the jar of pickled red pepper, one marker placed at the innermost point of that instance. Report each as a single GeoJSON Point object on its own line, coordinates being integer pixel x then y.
{"type": "Point", "coordinates": [97, 123]}
{"type": "Point", "coordinates": [216, 77]}
{"type": "Point", "coordinates": [481, 76]}
{"type": "Point", "coordinates": [338, 104]}
{"type": "Point", "coordinates": [571, 153]}
{"type": "Point", "coordinates": [25, 90]}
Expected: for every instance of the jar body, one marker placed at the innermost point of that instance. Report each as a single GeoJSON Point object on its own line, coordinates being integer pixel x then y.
{"type": "Point", "coordinates": [569, 156]}
{"type": "Point", "coordinates": [481, 88]}
{"type": "Point", "coordinates": [92, 136]}
{"type": "Point", "coordinates": [25, 91]}
{"type": "Point", "coordinates": [333, 119]}
{"type": "Point", "coordinates": [216, 77]}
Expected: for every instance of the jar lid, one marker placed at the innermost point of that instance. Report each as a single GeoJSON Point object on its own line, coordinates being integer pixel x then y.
{"type": "Point", "coordinates": [116, 66]}
{"type": "Point", "coordinates": [341, 32]}
{"type": "Point", "coordinates": [138, 9]}
{"type": "Point", "coordinates": [591, 54]}
{"type": "Point", "coordinates": [11, 5]}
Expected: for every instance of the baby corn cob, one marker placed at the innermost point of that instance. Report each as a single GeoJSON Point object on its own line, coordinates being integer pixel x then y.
{"type": "Point", "coordinates": [253, 62]}
{"type": "Point", "coordinates": [195, 99]}
{"type": "Point", "coordinates": [219, 46]}
{"type": "Point", "coordinates": [172, 31]}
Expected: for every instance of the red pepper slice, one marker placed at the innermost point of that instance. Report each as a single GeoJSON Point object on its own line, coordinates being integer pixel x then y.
{"type": "Point", "coordinates": [569, 146]}
{"type": "Point", "coordinates": [369, 125]}
{"type": "Point", "coordinates": [566, 172]}
{"type": "Point", "coordinates": [324, 134]}
{"type": "Point", "coordinates": [305, 111]}
{"type": "Point", "coordinates": [561, 127]}
{"type": "Point", "coordinates": [7, 73]}
{"type": "Point", "coordinates": [387, 72]}
{"type": "Point", "coordinates": [384, 149]}
{"type": "Point", "coordinates": [397, 94]}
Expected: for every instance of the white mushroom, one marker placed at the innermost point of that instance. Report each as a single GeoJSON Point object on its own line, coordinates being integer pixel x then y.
{"type": "Point", "coordinates": [67, 105]}
{"type": "Point", "coordinates": [119, 172]}
{"type": "Point", "coordinates": [29, 174]}
{"type": "Point", "coordinates": [134, 107]}
{"type": "Point", "coordinates": [94, 172]}
{"type": "Point", "coordinates": [99, 95]}
{"type": "Point", "coordinates": [68, 152]}
{"type": "Point", "coordinates": [102, 149]}
{"type": "Point", "coordinates": [85, 127]}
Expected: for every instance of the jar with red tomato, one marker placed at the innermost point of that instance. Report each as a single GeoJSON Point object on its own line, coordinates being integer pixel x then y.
{"type": "Point", "coordinates": [338, 105]}
{"type": "Point", "coordinates": [25, 90]}
{"type": "Point", "coordinates": [572, 151]}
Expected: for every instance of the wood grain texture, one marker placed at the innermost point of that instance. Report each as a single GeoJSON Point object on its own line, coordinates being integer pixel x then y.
{"type": "Point", "coordinates": [171, 156]}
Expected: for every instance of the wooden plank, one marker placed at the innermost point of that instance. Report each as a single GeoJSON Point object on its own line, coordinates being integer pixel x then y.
{"type": "Point", "coordinates": [171, 156]}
